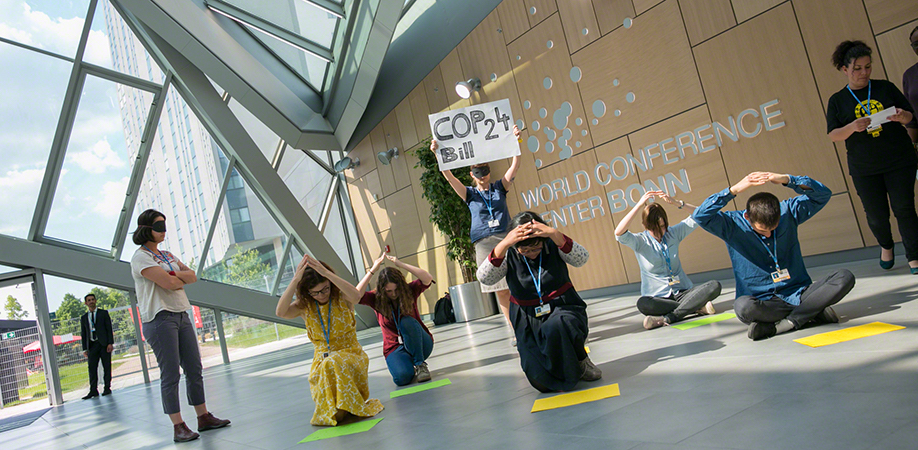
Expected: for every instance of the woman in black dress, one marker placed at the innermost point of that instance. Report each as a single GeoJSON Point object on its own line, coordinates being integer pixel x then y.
{"type": "Point", "coordinates": [548, 316]}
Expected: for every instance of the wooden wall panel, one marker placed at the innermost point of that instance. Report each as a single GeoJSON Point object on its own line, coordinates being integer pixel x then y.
{"type": "Point", "coordinates": [823, 29]}
{"type": "Point", "coordinates": [364, 151]}
{"type": "Point", "coordinates": [438, 265]}
{"type": "Point", "coordinates": [611, 13]}
{"type": "Point", "coordinates": [406, 128]}
{"type": "Point", "coordinates": [451, 71]}
{"type": "Point", "coordinates": [539, 10]}
{"type": "Point", "coordinates": [527, 177]}
{"type": "Point", "coordinates": [605, 264]}
{"type": "Point", "coordinates": [831, 229]}
{"type": "Point", "coordinates": [705, 171]}
{"type": "Point", "coordinates": [483, 53]}
{"type": "Point", "coordinates": [579, 20]}
{"type": "Point", "coordinates": [538, 62]}
{"type": "Point", "coordinates": [513, 19]}
{"type": "Point", "coordinates": [437, 100]}
{"type": "Point", "coordinates": [706, 18]}
{"type": "Point", "coordinates": [394, 140]}
{"type": "Point", "coordinates": [897, 54]}
{"type": "Point", "coordinates": [419, 111]}
{"type": "Point", "coordinates": [888, 14]}
{"type": "Point", "coordinates": [372, 186]}
{"type": "Point", "coordinates": [605, 154]}
{"type": "Point", "coordinates": [653, 60]}
{"type": "Point", "coordinates": [386, 175]}
{"type": "Point", "coordinates": [858, 207]}
{"type": "Point", "coordinates": [406, 227]}
{"type": "Point", "coordinates": [641, 6]}
{"type": "Point", "coordinates": [735, 84]}
{"type": "Point", "coordinates": [431, 237]}
{"type": "Point", "coordinates": [746, 9]}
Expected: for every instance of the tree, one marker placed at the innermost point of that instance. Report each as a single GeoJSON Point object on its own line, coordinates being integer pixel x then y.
{"type": "Point", "coordinates": [447, 210]}
{"type": "Point", "coordinates": [71, 308]}
{"type": "Point", "coordinates": [247, 269]}
{"type": "Point", "coordinates": [14, 309]}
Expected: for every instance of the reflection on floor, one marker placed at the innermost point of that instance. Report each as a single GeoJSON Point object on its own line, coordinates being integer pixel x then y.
{"type": "Point", "coordinates": [706, 387]}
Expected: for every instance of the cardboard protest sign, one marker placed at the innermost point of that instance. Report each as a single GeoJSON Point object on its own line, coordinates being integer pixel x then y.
{"type": "Point", "coordinates": [473, 135]}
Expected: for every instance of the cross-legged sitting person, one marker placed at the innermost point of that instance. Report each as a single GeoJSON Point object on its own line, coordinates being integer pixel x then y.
{"type": "Point", "coordinates": [667, 294]}
{"type": "Point", "coordinates": [774, 293]}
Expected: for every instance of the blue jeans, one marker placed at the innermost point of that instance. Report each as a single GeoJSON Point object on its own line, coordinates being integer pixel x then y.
{"type": "Point", "coordinates": [416, 349]}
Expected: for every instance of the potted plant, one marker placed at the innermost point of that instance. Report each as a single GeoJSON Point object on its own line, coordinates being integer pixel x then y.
{"type": "Point", "coordinates": [451, 216]}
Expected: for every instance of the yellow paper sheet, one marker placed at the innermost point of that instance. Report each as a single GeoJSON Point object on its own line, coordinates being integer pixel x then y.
{"type": "Point", "coordinates": [587, 348]}
{"type": "Point", "coordinates": [848, 334]}
{"type": "Point", "coordinates": [576, 398]}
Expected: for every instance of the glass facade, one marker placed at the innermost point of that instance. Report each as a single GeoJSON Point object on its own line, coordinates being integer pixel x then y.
{"type": "Point", "coordinates": [120, 140]}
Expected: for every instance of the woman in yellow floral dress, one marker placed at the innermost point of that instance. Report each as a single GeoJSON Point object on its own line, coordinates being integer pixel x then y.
{"type": "Point", "coordinates": [338, 376]}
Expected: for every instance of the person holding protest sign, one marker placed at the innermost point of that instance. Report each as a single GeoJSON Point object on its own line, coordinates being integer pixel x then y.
{"type": "Point", "coordinates": [338, 375]}
{"type": "Point", "coordinates": [667, 294]}
{"type": "Point", "coordinates": [487, 203]}
{"type": "Point", "coordinates": [548, 316]}
{"type": "Point", "coordinates": [396, 304]}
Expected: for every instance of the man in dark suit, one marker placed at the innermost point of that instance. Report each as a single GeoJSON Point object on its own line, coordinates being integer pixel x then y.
{"type": "Point", "coordinates": [98, 342]}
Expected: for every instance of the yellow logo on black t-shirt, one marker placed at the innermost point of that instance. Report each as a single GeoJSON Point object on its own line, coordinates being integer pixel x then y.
{"type": "Point", "coordinates": [875, 107]}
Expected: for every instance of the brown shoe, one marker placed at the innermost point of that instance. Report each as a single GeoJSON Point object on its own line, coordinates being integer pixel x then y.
{"type": "Point", "coordinates": [183, 433]}
{"type": "Point", "coordinates": [209, 422]}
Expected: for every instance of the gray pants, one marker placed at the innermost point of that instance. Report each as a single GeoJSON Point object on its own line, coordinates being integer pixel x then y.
{"type": "Point", "coordinates": [676, 307]}
{"type": "Point", "coordinates": [171, 335]}
{"type": "Point", "coordinates": [825, 292]}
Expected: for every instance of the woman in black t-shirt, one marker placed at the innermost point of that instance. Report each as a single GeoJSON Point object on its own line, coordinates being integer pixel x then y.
{"type": "Point", "coordinates": [881, 159]}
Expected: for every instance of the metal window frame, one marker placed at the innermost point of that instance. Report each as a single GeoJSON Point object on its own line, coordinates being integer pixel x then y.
{"type": "Point", "coordinates": [270, 28]}
{"type": "Point", "coordinates": [218, 208]}
{"type": "Point", "coordinates": [283, 263]}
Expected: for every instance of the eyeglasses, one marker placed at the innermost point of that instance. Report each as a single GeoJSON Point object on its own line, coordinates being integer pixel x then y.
{"type": "Point", "coordinates": [323, 291]}
{"type": "Point", "coordinates": [529, 248]}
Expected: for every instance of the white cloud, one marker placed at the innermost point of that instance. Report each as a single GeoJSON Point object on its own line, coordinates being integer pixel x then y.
{"type": "Point", "coordinates": [58, 35]}
{"type": "Point", "coordinates": [98, 158]}
{"type": "Point", "coordinates": [18, 191]}
{"type": "Point", "coordinates": [112, 200]}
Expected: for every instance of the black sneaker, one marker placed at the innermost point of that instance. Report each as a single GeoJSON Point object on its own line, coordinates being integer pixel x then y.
{"type": "Point", "coordinates": [827, 315]}
{"type": "Point", "coordinates": [761, 330]}
{"type": "Point", "coordinates": [91, 394]}
{"type": "Point", "coordinates": [589, 371]}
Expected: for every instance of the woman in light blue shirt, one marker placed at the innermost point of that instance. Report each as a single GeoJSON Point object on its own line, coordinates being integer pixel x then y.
{"type": "Point", "coordinates": [667, 294]}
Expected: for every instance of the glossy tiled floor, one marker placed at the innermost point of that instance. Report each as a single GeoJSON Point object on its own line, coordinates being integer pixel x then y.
{"type": "Point", "coordinates": [708, 387]}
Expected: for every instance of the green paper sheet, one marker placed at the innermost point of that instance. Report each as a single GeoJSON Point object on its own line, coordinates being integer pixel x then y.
{"type": "Point", "coordinates": [705, 321]}
{"type": "Point", "coordinates": [343, 430]}
{"type": "Point", "coordinates": [419, 388]}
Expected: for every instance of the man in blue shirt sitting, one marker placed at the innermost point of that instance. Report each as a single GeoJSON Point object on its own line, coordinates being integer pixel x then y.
{"type": "Point", "coordinates": [774, 293]}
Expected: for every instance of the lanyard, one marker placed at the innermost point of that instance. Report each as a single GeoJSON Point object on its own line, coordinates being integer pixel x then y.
{"type": "Point", "coordinates": [536, 281]}
{"type": "Point", "coordinates": [398, 318]}
{"type": "Point", "coordinates": [325, 331]}
{"type": "Point", "coordinates": [161, 257]}
{"type": "Point", "coordinates": [774, 256]}
{"type": "Point", "coordinates": [664, 249]}
{"type": "Point", "coordinates": [487, 201]}
{"type": "Point", "coordinates": [859, 103]}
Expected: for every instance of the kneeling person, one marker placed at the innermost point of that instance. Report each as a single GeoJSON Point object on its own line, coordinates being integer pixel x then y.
{"type": "Point", "coordinates": [548, 316]}
{"type": "Point", "coordinates": [774, 292]}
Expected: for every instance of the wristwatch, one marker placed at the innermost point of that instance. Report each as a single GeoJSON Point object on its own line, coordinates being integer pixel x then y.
{"type": "Point", "coordinates": [681, 204]}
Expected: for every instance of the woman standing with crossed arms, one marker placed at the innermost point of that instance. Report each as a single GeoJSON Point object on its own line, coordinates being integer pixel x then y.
{"type": "Point", "coordinates": [488, 204]}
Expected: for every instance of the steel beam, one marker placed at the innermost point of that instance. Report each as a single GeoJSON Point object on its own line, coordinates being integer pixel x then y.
{"type": "Point", "coordinates": [46, 337]}
{"type": "Point", "coordinates": [138, 335]}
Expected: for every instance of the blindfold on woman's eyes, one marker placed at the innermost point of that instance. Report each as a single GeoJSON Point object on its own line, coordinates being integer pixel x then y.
{"type": "Point", "coordinates": [157, 226]}
{"type": "Point", "coordinates": [481, 172]}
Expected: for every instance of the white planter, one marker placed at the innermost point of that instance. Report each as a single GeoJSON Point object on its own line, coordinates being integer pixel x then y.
{"type": "Point", "coordinates": [469, 303]}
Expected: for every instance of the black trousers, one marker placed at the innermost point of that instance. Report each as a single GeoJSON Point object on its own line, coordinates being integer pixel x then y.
{"type": "Point", "coordinates": [825, 292]}
{"type": "Point", "coordinates": [95, 353]}
{"type": "Point", "coordinates": [895, 188]}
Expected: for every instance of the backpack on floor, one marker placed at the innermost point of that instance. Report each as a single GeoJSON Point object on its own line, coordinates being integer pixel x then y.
{"type": "Point", "coordinates": [443, 311]}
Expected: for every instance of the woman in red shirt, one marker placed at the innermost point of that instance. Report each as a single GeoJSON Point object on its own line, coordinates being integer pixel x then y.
{"type": "Point", "coordinates": [396, 304]}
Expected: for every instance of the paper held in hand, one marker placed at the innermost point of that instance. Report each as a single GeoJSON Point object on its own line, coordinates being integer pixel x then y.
{"type": "Point", "coordinates": [473, 135]}
{"type": "Point", "coordinates": [879, 118]}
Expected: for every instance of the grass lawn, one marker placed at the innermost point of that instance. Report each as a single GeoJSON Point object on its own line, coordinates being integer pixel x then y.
{"type": "Point", "coordinates": [73, 377]}
{"type": "Point", "coordinates": [257, 335]}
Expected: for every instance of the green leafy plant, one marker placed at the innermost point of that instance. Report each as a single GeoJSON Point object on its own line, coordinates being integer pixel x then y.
{"type": "Point", "coordinates": [447, 210]}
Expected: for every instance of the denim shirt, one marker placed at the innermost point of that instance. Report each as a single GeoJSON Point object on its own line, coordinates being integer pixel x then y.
{"type": "Point", "coordinates": [654, 271]}
{"type": "Point", "coordinates": [752, 263]}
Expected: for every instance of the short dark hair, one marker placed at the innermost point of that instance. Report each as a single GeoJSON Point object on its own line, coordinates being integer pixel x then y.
{"type": "Point", "coordinates": [524, 218]}
{"type": "Point", "coordinates": [912, 33]}
{"type": "Point", "coordinates": [651, 216]}
{"type": "Point", "coordinates": [86, 297]}
{"type": "Point", "coordinates": [764, 209]}
{"type": "Point", "coordinates": [144, 231]}
{"type": "Point", "coordinates": [849, 51]}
